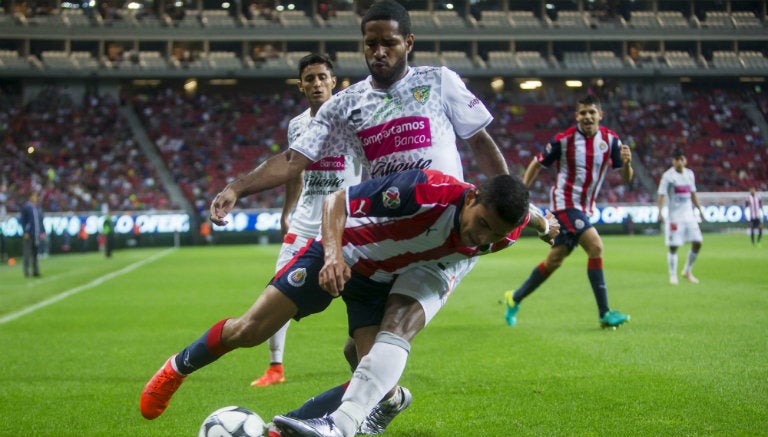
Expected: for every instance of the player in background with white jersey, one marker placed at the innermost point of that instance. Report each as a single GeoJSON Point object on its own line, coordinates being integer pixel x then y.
{"type": "Point", "coordinates": [398, 118]}
{"type": "Point", "coordinates": [582, 155]}
{"type": "Point", "coordinates": [754, 207]}
{"type": "Point", "coordinates": [330, 174]}
{"type": "Point", "coordinates": [677, 188]}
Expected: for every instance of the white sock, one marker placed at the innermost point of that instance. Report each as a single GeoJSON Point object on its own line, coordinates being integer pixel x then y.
{"type": "Point", "coordinates": [672, 264]}
{"type": "Point", "coordinates": [277, 344]}
{"type": "Point", "coordinates": [690, 261]}
{"type": "Point", "coordinates": [376, 374]}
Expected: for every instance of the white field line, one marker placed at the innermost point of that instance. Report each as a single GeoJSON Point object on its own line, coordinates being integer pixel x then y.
{"type": "Point", "coordinates": [70, 292]}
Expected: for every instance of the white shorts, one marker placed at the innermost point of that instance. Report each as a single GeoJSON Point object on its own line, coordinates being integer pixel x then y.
{"type": "Point", "coordinates": [431, 285]}
{"type": "Point", "coordinates": [288, 250]}
{"type": "Point", "coordinates": [677, 234]}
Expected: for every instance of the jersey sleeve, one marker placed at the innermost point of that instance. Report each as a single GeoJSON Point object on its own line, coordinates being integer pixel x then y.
{"type": "Point", "coordinates": [388, 196]}
{"type": "Point", "coordinates": [693, 180]}
{"type": "Point", "coordinates": [467, 113]}
{"type": "Point", "coordinates": [663, 183]}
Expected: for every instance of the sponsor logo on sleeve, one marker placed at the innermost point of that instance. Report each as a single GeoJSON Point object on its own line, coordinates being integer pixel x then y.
{"type": "Point", "coordinates": [391, 198]}
{"type": "Point", "coordinates": [360, 207]}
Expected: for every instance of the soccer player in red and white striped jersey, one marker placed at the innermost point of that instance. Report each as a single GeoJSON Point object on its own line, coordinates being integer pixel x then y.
{"type": "Point", "coordinates": [754, 207]}
{"type": "Point", "coordinates": [581, 155]}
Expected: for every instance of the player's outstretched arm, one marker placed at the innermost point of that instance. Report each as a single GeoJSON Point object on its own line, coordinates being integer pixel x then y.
{"type": "Point", "coordinates": [660, 204]}
{"type": "Point", "coordinates": [627, 173]}
{"type": "Point", "coordinates": [487, 154]}
{"type": "Point", "coordinates": [292, 192]}
{"type": "Point", "coordinates": [273, 172]}
{"type": "Point", "coordinates": [335, 272]}
{"type": "Point", "coordinates": [532, 172]}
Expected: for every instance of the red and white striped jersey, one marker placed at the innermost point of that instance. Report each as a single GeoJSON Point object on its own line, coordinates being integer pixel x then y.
{"type": "Point", "coordinates": [582, 163]}
{"type": "Point", "coordinates": [407, 219]}
{"type": "Point", "coordinates": [754, 206]}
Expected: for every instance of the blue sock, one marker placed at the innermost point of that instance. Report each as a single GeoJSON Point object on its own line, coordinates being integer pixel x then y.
{"type": "Point", "coordinates": [203, 351]}
{"type": "Point", "coordinates": [321, 405]}
{"type": "Point", "coordinates": [537, 277]}
{"type": "Point", "coordinates": [597, 279]}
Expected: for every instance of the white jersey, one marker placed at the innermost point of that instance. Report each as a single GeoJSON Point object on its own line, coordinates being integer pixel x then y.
{"type": "Point", "coordinates": [412, 124]}
{"type": "Point", "coordinates": [322, 178]}
{"type": "Point", "coordinates": [678, 187]}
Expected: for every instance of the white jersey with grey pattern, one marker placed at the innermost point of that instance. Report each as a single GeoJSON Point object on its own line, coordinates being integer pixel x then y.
{"type": "Point", "coordinates": [678, 187]}
{"type": "Point", "coordinates": [330, 174]}
{"type": "Point", "coordinates": [412, 124]}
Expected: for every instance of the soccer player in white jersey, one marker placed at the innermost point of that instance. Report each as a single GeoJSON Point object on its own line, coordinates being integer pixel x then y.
{"type": "Point", "coordinates": [396, 119]}
{"type": "Point", "coordinates": [330, 174]}
{"type": "Point", "coordinates": [677, 188]}
{"type": "Point", "coordinates": [582, 155]}
{"type": "Point", "coordinates": [754, 207]}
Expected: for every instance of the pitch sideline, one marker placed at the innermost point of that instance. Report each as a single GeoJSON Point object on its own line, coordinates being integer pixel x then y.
{"type": "Point", "coordinates": [70, 292]}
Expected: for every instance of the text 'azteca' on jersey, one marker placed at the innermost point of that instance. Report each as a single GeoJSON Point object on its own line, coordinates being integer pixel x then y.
{"type": "Point", "coordinates": [407, 219]}
{"type": "Point", "coordinates": [411, 125]}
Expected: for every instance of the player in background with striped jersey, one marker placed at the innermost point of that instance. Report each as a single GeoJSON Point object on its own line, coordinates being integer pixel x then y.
{"type": "Point", "coordinates": [678, 188]}
{"type": "Point", "coordinates": [307, 192]}
{"type": "Point", "coordinates": [754, 207]}
{"type": "Point", "coordinates": [582, 155]}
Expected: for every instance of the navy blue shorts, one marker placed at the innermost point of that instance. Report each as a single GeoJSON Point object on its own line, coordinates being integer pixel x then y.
{"type": "Point", "coordinates": [298, 280]}
{"type": "Point", "coordinates": [573, 223]}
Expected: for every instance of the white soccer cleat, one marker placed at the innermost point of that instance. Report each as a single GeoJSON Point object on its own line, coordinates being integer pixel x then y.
{"type": "Point", "coordinates": [673, 280]}
{"type": "Point", "coordinates": [692, 279]}
{"type": "Point", "coordinates": [383, 413]}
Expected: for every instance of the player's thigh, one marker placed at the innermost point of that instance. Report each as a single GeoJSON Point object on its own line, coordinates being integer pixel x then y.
{"type": "Point", "coordinates": [419, 293]}
{"type": "Point", "coordinates": [673, 234]}
{"type": "Point", "coordinates": [692, 233]}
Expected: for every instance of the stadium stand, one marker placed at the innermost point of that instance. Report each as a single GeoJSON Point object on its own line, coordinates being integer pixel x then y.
{"type": "Point", "coordinates": [211, 135]}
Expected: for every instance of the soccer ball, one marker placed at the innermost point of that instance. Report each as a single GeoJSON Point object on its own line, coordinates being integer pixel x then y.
{"type": "Point", "coordinates": [232, 421]}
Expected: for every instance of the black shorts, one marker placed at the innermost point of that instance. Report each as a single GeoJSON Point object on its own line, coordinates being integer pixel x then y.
{"type": "Point", "coordinates": [573, 223]}
{"type": "Point", "coordinates": [298, 280]}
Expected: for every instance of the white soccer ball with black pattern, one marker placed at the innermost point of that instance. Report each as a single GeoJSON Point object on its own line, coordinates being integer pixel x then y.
{"type": "Point", "coordinates": [232, 421]}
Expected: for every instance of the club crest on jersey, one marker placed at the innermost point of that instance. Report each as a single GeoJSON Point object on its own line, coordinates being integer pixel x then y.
{"type": "Point", "coordinates": [391, 198]}
{"type": "Point", "coordinates": [603, 146]}
{"type": "Point", "coordinates": [298, 277]}
{"type": "Point", "coordinates": [579, 224]}
{"type": "Point", "coordinates": [421, 94]}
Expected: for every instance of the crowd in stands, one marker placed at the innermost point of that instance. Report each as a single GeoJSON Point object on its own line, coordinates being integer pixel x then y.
{"type": "Point", "coordinates": [82, 155]}
{"type": "Point", "coordinates": [207, 140]}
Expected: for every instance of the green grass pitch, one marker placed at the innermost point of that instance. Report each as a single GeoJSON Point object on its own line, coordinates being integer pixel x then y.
{"type": "Point", "coordinates": [78, 345]}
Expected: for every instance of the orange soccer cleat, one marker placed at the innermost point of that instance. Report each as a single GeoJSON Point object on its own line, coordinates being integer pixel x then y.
{"type": "Point", "coordinates": [273, 375]}
{"type": "Point", "coordinates": [158, 391]}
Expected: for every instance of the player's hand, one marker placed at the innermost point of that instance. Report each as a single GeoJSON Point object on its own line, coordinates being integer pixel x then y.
{"type": "Point", "coordinates": [222, 205]}
{"type": "Point", "coordinates": [334, 274]}
{"type": "Point", "coordinates": [626, 154]}
{"type": "Point", "coordinates": [554, 229]}
{"type": "Point", "coordinates": [285, 224]}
